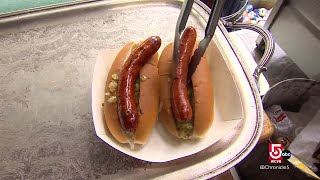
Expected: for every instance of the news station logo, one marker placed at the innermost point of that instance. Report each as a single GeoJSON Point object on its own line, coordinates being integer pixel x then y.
{"type": "Point", "coordinates": [277, 153]}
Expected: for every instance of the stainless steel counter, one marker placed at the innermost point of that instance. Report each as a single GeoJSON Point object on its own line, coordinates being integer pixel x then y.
{"type": "Point", "coordinates": [46, 126]}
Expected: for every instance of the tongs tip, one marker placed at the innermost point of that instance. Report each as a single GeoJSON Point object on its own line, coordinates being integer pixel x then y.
{"type": "Point", "coordinates": [214, 17]}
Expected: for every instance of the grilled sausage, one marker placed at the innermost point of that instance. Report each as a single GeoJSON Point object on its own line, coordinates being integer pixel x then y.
{"type": "Point", "coordinates": [127, 108]}
{"type": "Point", "coordinates": [180, 103]}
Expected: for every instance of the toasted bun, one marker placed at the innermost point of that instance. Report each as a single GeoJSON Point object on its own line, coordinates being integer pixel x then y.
{"type": "Point", "coordinates": [148, 100]}
{"type": "Point", "coordinates": [202, 89]}
{"type": "Point", "coordinates": [267, 130]}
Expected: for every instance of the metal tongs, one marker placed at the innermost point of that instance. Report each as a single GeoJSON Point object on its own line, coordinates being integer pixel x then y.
{"type": "Point", "coordinates": [214, 17]}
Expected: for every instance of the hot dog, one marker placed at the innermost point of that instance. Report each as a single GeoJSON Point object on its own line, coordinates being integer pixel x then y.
{"type": "Point", "coordinates": [132, 92]}
{"type": "Point", "coordinates": [187, 109]}
{"type": "Point", "coordinates": [181, 107]}
{"type": "Point", "coordinates": [127, 109]}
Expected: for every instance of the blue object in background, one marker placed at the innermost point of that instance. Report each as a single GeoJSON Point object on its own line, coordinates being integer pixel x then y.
{"type": "Point", "coordinates": [249, 7]}
{"type": "Point", "coordinates": [256, 13]}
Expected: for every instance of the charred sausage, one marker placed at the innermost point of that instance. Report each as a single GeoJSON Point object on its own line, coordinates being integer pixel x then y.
{"type": "Point", "coordinates": [180, 103]}
{"type": "Point", "coordinates": [127, 107]}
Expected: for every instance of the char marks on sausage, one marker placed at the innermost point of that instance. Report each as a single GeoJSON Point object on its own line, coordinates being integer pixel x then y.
{"type": "Point", "coordinates": [127, 107]}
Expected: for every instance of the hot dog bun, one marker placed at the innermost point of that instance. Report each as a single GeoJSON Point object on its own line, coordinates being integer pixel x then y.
{"type": "Point", "coordinates": [148, 99]}
{"type": "Point", "coordinates": [203, 95]}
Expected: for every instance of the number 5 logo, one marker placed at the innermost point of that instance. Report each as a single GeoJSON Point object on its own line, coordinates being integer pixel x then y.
{"type": "Point", "coordinates": [275, 153]}
{"type": "Point", "coordinates": [276, 150]}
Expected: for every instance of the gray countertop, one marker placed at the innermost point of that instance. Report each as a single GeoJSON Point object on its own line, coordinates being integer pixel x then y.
{"type": "Point", "coordinates": [46, 123]}
{"type": "Point", "coordinates": [45, 115]}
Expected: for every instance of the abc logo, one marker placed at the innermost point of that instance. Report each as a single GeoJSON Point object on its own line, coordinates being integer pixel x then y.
{"type": "Point", "coordinates": [286, 154]}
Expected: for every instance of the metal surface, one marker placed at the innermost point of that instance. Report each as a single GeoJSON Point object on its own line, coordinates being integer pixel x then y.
{"type": "Point", "coordinates": [181, 24]}
{"type": "Point", "coordinates": [269, 46]}
{"type": "Point", "coordinates": [236, 16]}
{"type": "Point", "coordinates": [232, 22]}
{"type": "Point", "coordinates": [10, 8]}
{"type": "Point", "coordinates": [291, 92]}
{"type": "Point", "coordinates": [46, 65]}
